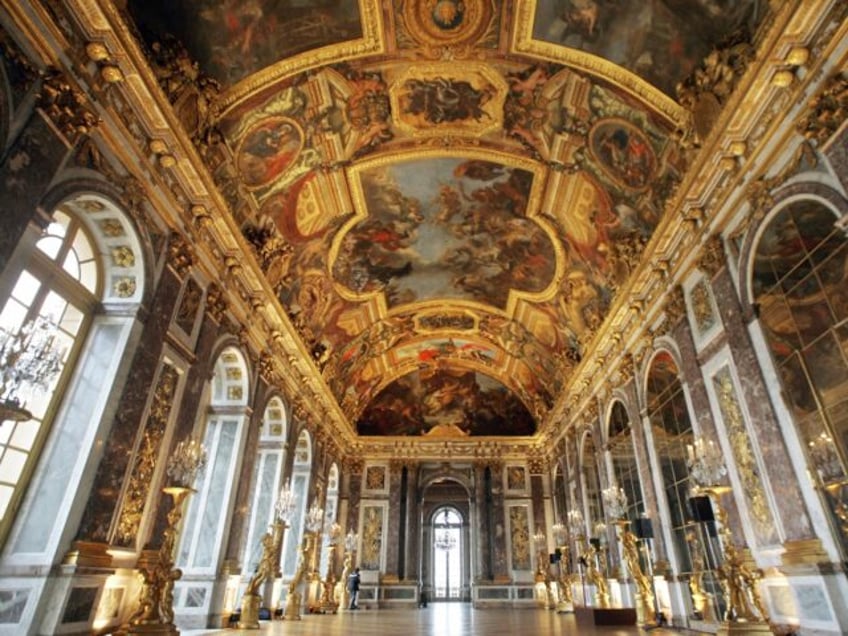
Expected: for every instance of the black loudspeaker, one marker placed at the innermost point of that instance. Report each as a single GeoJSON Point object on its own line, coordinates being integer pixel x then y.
{"type": "Point", "coordinates": [643, 529]}
{"type": "Point", "coordinates": [702, 508]}
{"type": "Point", "coordinates": [554, 558]}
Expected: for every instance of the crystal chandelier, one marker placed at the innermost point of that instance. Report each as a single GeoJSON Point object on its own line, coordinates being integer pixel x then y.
{"type": "Point", "coordinates": [706, 465]}
{"type": "Point", "coordinates": [30, 358]}
{"type": "Point", "coordinates": [314, 518]}
{"type": "Point", "coordinates": [445, 540]}
{"type": "Point", "coordinates": [575, 523]}
{"type": "Point", "coordinates": [615, 502]}
{"type": "Point", "coordinates": [284, 506]}
{"type": "Point", "coordinates": [187, 460]}
{"type": "Point", "coordinates": [560, 533]}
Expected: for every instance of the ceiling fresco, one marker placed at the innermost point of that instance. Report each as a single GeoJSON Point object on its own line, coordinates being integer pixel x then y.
{"type": "Point", "coordinates": [654, 40]}
{"type": "Point", "coordinates": [445, 220]}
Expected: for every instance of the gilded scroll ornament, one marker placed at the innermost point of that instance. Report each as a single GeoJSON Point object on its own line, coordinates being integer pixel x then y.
{"type": "Point", "coordinates": [372, 538]}
{"type": "Point", "coordinates": [826, 111]}
{"type": "Point", "coordinates": [520, 536]}
{"type": "Point", "coordinates": [746, 462]}
{"type": "Point", "coordinates": [66, 106]}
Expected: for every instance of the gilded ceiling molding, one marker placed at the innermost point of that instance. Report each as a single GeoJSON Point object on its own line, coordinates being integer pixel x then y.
{"type": "Point", "coordinates": [216, 303]}
{"type": "Point", "coordinates": [705, 92]}
{"type": "Point", "coordinates": [67, 107]}
{"type": "Point", "coordinates": [826, 111]}
{"type": "Point", "coordinates": [608, 72]}
{"type": "Point", "coordinates": [675, 305]}
{"type": "Point", "coordinates": [180, 257]}
{"type": "Point", "coordinates": [713, 256]}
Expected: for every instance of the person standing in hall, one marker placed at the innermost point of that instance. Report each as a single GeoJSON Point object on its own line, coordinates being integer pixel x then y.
{"type": "Point", "coordinates": [353, 588]}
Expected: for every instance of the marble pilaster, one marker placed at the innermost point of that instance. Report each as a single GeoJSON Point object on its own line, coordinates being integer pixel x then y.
{"type": "Point", "coordinates": [776, 461]}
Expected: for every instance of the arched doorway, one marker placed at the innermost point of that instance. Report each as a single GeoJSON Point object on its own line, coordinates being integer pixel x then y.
{"type": "Point", "coordinates": [445, 566]}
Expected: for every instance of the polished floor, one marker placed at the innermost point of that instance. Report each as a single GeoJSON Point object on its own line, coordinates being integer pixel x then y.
{"type": "Point", "coordinates": [439, 619]}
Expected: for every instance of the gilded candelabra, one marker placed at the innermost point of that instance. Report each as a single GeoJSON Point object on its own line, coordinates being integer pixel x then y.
{"type": "Point", "coordinates": [543, 577]}
{"type": "Point", "coordinates": [268, 567]}
{"type": "Point", "coordinates": [351, 539]}
{"type": "Point", "coordinates": [566, 577]}
{"type": "Point", "coordinates": [745, 610]}
{"type": "Point", "coordinates": [615, 504]}
{"type": "Point", "coordinates": [328, 597]}
{"type": "Point", "coordinates": [294, 598]}
{"type": "Point", "coordinates": [155, 612]}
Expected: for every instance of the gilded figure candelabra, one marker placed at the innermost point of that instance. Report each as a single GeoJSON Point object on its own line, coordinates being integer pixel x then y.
{"type": "Point", "coordinates": [294, 598]}
{"type": "Point", "coordinates": [543, 577]}
{"type": "Point", "coordinates": [268, 564]}
{"type": "Point", "coordinates": [328, 598]}
{"type": "Point", "coordinates": [737, 577]}
{"type": "Point", "coordinates": [155, 611]}
{"type": "Point", "coordinates": [566, 577]}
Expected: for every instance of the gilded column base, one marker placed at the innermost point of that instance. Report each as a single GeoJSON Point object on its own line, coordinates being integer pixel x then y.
{"type": "Point", "coordinates": [292, 607]}
{"type": "Point", "coordinates": [565, 607]}
{"type": "Point", "coordinates": [736, 627]}
{"type": "Point", "coordinates": [250, 612]}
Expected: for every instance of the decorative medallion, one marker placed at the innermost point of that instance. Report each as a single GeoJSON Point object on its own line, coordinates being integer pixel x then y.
{"type": "Point", "coordinates": [268, 149]}
{"type": "Point", "coordinates": [623, 153]}
{"type": "Point", "coordinates": [447, 22]}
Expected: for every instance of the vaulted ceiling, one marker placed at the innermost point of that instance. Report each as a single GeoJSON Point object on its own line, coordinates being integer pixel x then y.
{"type": "Point", "coordinates": [445, 196]}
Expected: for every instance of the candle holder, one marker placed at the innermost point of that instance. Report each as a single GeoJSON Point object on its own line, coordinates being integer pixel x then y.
{"type": "Point", "coordinates": [328, 601]}
{"type": "Point", "coordinates": [565, 603]}
{"type": "Point", "coordinates": [314, 519]}
{"type": "Point", "coordinates": [155, 612]}
{"type": "Point", "coordinates": [736, 575]}
{"type": "Point", "coordinates": [268, 564]}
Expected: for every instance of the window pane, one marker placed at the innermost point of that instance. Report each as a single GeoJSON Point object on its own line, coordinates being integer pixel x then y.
{"type": "Point", "coordinates": [71, 265]}
{"type": "Point", "coordinates": [26, 288]}
{"type": "Point", "coordinates": [50, 245]}
{"type": "Point", "coordinates": [12, 465]}
{"type": "Point", "coordinates": [88, 276]}
{"type": "Point", "coordinates": [13, 316]}
{"type": "Point", "coordinates": [25, 434]}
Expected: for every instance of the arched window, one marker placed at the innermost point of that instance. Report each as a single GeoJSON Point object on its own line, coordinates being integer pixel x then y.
{"type": "Point", "coordinates": [623, 453]}
{"type": "Point", "coordinates": [800, 282]}
{"type": "Point", "coordinates": [301, 474]}
{"type": "Point", "coordinates": [59, 354]}
{"type": "Point", "coordinates": [210, 508]}
{"type": "Point", "coordinates": [267, 476]}
{"type": "Point", "coordinates": [694, 545]}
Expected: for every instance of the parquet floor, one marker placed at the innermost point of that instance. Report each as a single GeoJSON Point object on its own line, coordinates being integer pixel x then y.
{"type": "Point", "coordinates": [438, 619]}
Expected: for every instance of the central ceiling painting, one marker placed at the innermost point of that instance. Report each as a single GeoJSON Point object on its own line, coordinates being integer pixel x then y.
{"type": "Point", "coordinates": [447, 227]}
